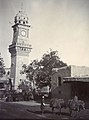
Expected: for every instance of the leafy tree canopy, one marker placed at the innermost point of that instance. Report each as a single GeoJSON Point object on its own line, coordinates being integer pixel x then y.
{"type": "Point", "coordinates": [2, 67]}
{"type": "Point", "coordinates": [41, 70]}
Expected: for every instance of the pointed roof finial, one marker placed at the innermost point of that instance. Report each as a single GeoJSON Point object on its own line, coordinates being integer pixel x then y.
{"type": "Point", "coordinates": [21, 6]}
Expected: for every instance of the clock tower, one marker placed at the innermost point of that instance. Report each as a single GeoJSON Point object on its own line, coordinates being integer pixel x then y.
{"type": "Point", "coordinates": [20, 47]}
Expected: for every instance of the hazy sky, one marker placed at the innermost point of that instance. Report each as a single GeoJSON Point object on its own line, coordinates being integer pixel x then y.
{"type": "Point", "coordinates": [61, 25]}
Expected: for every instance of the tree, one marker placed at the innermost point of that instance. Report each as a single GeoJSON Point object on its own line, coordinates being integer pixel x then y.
{"type": "Point", "coordinates": [2, 67]}
{"type": "Point", "coordinates": [24, 86]}
{"type": "Point", "coordinates": [30, 72]}
{"type": "Point", "coordinates": [41, 70]}
{"type": "Point", "coordinates": [49, 61]}
{"type": "Point", "coordinates": [31, 69]}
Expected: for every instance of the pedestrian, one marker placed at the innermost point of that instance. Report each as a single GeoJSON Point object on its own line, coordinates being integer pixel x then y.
{"type": "Point", "coordinates": [75, 98]}
{"type": "Point", "coordinates": [42, 104]}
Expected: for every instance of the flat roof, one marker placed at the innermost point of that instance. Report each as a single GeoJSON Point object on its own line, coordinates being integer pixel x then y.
{"type": "Point", "coordinates": [77, 79]}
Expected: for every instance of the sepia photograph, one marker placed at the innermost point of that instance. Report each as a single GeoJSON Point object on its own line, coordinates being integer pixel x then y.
{"type": "Point", "coordinates": [44, 59]}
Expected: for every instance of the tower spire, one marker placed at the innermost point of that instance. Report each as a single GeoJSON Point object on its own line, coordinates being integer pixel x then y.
{"type": "Point", "coordinates": [21, 6]}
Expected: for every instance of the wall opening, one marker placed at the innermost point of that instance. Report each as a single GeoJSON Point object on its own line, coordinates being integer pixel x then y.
{"type": "Point", "coordinates": [59, 81]}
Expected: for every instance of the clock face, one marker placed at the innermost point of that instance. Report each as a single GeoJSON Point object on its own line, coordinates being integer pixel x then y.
{"type": "Point", "coordinates": [23, 33]}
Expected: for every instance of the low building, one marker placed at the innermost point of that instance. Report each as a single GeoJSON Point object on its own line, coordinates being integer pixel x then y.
{"type": "Point", "coordinates": [4, 86]}
{"type": "Point", "coordinates": [4, 82]}
{"type": "Point", "coordinates": [70, 80]}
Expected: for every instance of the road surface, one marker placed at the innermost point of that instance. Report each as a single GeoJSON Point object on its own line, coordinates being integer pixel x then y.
{"type": "Point", "coordinates": [31, 110]}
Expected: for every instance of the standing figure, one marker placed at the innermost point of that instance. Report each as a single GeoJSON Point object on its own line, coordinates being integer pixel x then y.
{"type": "Point", "coordinates": [42, 104]}
{"type": "Point", "coordinates": [75, 98]}
{"type": "Point", "coordinates": [76, 105]}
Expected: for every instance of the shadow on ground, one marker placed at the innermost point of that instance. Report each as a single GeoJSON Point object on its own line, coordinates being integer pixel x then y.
{"type": "Point", "coordinates": [48, 112]}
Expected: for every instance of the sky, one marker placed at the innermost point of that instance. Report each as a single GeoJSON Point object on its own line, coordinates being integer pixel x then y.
{"type": "Point", "coordinates": [61, 25]}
